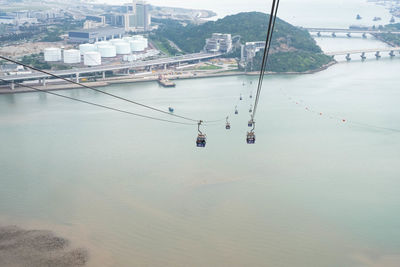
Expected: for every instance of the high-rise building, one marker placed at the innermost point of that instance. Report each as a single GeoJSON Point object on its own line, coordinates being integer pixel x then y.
{"type": "Point", "coordinates": [137, 16]}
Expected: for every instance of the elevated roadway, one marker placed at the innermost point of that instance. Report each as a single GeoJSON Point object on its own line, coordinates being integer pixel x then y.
{"type": "Point", "coordinates": [124, 66]}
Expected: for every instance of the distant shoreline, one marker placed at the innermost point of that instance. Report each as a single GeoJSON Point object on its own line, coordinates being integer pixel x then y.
{"type": "Point", "coordinates": [152, 78]}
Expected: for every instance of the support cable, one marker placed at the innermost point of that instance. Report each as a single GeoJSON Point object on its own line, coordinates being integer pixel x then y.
{"type": "Point", "coordinates": [97, 90]}
{"type": "Point", "coordinates": [99, 105]}
{"type": "Point", "coordinates": [271, 26]}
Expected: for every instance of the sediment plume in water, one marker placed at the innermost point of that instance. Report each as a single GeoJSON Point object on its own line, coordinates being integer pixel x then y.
{"type": "Point", "coordinates": [19, 247]}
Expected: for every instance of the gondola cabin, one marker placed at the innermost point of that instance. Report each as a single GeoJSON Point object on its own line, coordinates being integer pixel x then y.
{"type": "Point", "coordinates": [171, 109]}
{"type": "Point", "coordinates": [228, 126]}
{"type": "Point", "coordinates": [251, 138]}
{"type": "Point", "coordinates": [250, 123]}
{"type": "Point", "coordinates": [236, 112]}
{"type": "Point", "coordinates": [201, 140]}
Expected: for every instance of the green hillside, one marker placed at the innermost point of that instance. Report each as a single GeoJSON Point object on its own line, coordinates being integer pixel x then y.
{"type": "Point", "coordinates": [287, 41]}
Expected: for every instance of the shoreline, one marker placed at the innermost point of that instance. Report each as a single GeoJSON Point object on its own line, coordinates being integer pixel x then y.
{"type": "Point", "coordinates": [152, 78]}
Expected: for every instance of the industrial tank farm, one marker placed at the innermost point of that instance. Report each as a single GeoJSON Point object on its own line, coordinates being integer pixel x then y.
{"type": "Point", "coordinates": [128, 48]}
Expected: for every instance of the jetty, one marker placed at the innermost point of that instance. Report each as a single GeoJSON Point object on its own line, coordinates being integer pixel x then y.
{"type": "Point", "coordinates": [165, 82]}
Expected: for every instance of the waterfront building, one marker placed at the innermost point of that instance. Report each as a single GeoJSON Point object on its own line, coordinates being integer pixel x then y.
{"type": "Point", "coordinates": [250, 49]}
{"type": "Point", "coordinates": [94, 35]}
{"type": "Point", "coordinates": [219, 42]}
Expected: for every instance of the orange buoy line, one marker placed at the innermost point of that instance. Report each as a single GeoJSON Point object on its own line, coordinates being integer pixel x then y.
{"type": "Point", "coordinates": [343, 120]}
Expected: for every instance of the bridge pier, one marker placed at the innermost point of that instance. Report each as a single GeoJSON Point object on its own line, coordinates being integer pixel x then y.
{"type": "Point", "coordinates": [377, 55]}
{"type": "Point", "coordinates": [165, 66]}
{"type": "Point", "coordinates": [363, 57]}
{"type": "Point", "coordinates": [77, 77]}
{"type": "Point", "coordinates": [104, 75]}
{"type": "Point", "coordinates": [348, 58]}
{"type": "Point", "coordinates": [333, 34]}
{"type": "Point", "coordinates": [44, 82]}
{"type": "Point", "coordinates": [12, 85]}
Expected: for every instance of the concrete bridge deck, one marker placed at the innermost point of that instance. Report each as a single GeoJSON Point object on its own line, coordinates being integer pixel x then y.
{"type": "Point", "coordinates": [339, 30]}
{"type": "Point", "coordinates": [360, 51]}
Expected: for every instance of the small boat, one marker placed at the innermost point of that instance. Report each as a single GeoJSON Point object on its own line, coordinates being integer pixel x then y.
{"type": "Point", "coordinates": [171, 109]}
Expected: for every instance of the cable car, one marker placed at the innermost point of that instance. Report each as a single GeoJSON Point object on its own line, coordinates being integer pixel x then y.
{"type": "Point", "coordinates": [251, 137]}
{"type": "Point", "coordinates": [241, 97]}
{"type": "Point", "coordinates": [171, 109]}
{"type": "Point", "coordinates": [236, 110]}
{"type": "Point", "coordinates": [228, 125]}
{"type": "Point", "coordinates": [251, 109]}
{"type": "Point", "coordinates": [250, 123]}
{"type": "Point", "coordinates": [251, 95]}
{"type": "Point", "coordinates": [201, 138]}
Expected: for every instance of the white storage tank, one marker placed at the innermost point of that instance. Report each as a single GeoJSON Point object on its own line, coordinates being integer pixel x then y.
{"type": "Point", "coordinates": [114, 41]}
{"type": "Point", "coordinates": [122, 48]}
{"type": "Point", "coordinates": [137, 46]}
{"type": "Point", "coordinates": [107, 50]}
{"type": "Point", "coordinates": [92, 58]}
{"type": "Point", "coordinates": [97, 44]}
{"type": "Point", "coordinates": [52, 54]}
{"type": "Point", "coordinates": [127, 38]}
{"type": "Point", "coordinates": [72, 56]}
{"type": "Point", "coordinates": [137, 37]}
{"type": "Point", "coordinates": [145, 42]}
{"type": "Point", "coordinates": [87, 48]}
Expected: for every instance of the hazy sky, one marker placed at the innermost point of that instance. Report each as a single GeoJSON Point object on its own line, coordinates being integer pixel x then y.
{"type": "Point", "coordinates": [298, 12]}
{"type": "Point", "coordinates": [224, 7]}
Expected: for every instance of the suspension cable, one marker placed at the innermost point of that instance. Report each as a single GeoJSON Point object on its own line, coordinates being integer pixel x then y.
{"type": "Point", "coordinates": [271, 26]}
{"type": "Point", "coordinates": [97, 90]}
{"type": "Point", "coordinates": [99, 105]}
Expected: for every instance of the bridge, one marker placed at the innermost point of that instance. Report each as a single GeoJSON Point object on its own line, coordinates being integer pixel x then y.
{"type": "Point", "coordinates": [362, 52]}
{"type": "Point", "coordinates": [163, 62]}
{"type": "Point", "coordinates": [349, 31]}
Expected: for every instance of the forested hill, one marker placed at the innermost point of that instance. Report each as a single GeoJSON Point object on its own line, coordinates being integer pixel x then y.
{"type": "Point", "coordinates": [250, 26]}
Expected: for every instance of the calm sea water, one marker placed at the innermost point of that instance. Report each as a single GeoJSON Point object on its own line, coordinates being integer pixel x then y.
{"type": "Point", "coordinates": [313, 191]}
